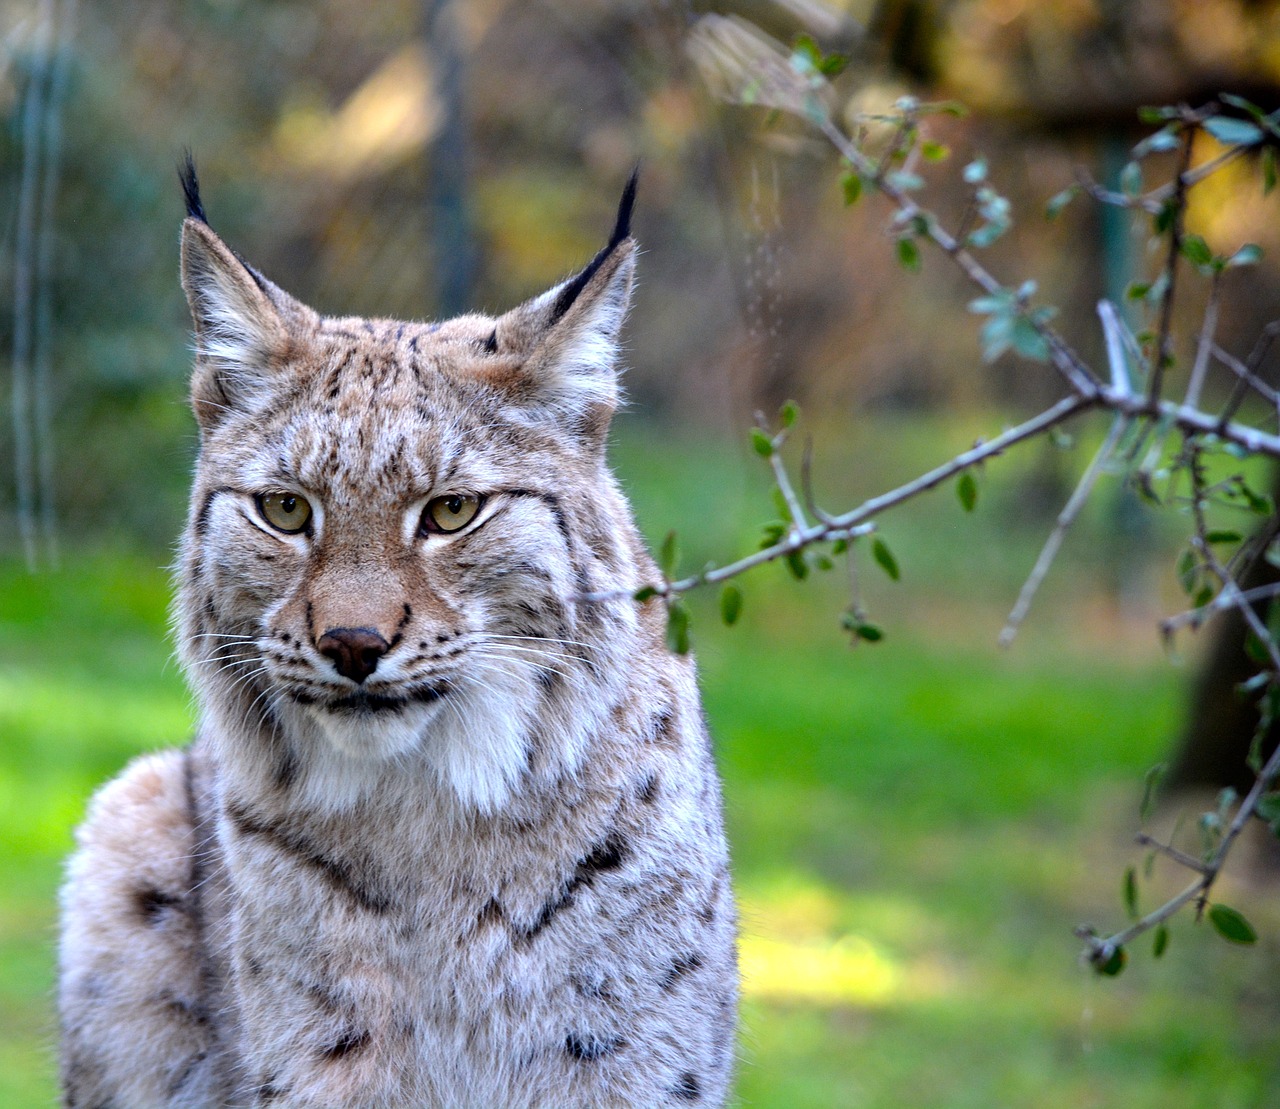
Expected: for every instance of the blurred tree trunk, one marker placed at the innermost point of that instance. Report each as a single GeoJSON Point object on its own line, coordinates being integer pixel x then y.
{"type": "Point", "coordinates": [1213, 749]}
{"type": "Point", "coordinates": [448, 164]}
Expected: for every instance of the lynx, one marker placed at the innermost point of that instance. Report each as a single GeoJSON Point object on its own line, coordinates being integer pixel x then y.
{"type": "Point", "coordinates": [449, 832]}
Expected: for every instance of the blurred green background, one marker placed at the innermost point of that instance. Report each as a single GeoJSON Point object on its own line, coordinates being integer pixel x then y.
{"type": "Point", "coordinates": [917, 824]}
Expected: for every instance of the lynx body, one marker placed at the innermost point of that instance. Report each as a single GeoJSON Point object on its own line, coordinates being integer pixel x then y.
{"type": "Point", "coordinates": [449, 834]}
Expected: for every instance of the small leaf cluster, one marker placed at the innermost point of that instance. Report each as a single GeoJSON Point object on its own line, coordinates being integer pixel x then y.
{"type": "Point", "coordinates": [1011, 324]}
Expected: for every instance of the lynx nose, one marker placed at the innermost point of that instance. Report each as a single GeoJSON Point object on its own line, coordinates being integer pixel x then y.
{"type": "Point", "coordinates": [355, 651]}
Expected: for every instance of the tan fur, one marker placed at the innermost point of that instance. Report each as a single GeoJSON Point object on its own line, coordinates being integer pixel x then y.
{"type": "Point", "coordinates": [492, 871]}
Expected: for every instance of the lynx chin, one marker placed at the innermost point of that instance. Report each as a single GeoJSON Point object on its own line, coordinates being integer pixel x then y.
{"type": "Point", "coordinates": [448, 834]}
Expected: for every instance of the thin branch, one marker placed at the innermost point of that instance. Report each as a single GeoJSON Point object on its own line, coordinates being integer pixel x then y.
{"type": "Point", "coordinates": [1204, 345]}
{"type": "Point", "coordinates": [799, 522]}
{"type": "Point", "coordinates": [1164, 333]}
{"type": "Point", "coordinates": [1256, 356]}
{"type": "Point", "coordinates": [1037, 425]}
{"type": "Point", "coordinates": [1225, 599]}
{"type": "Point", "coordinates": [1113, 330]}
{"type": "Point", "coordinates": [1245, 380]}
{"type": "Point", "coordinates": [1080, 377]}
{"type": "Point", "coordinates": [1065, 519]}
{"type": "Point", "coordinates": [1170, 852]}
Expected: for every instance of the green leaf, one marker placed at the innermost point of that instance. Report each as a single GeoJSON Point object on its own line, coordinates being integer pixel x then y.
{"type": "Point", "coordinates": [1234, 132]}
{"type": "Point", "coordinates": [1196, 251]}
{"type": "Point", "coordinates": [1131, 179]}
{"type": "Point", "coordinates": [1131, 893]}
{"type": "Point", "coordinates": [851, 185]}
{"type": "Point", "coordinates": [1150, 787]}
{"type": "Point", "coordinates": [789, 413]}
{"type": "Point", "coordinates": [1163, 219]}
{"type": "Point", "coordinates": [677, 627]}
{"type": "Point", "coordinates": [1137, 290]}
{"type": "Point", "coordinates": [868, 632]}
{"type": "Point", "coordinates": [1154, 114]}
{"type": "Point", "coordinates": [1231, 925]}
{"type": "Point", "coordinates": [905, 181]}
{"type": "Point", "coordinates": [1224, 537]}
{"type": "Point", "coordinates": [934, 151]}
{"type": "Point", "coordinates": [1188, 569]}
{"type": "Point", "coordinates": [1268, 807]}
{"type": "Point", "coordinates": [730, 604]}
{"type": "Point", "coordinates": [645, 593]}
{"type": "Point", "coordinates": [1246, 106]}
{"type": "Point", "coordinates": [772, 533]}
{"type": "Point", "coordinates": [1160, 942]}
{"type": "Point", "coordinates": [762, 442]}
{"type": "Point", "coordinates": [1113, 965]}
{"type": "Point", "coordinates": [832, 65]}
{"type": "Point", "coordinates": [1164, 139]}
{"type": "Point", "coordinates": [1248, 255]}
{"type": "Point", "coordinates": [669, 555]}
{"type": "Point", "coordinates": [909, 255]}
{"type": "Point", "coordinates": [943, 107]}
{"type": "Point", "coordinates": [1027, 341]}
{"type": "Point", "coordinates": [796, 563]}
{"type": "Point", "coordinates": [967, 490]}
{"type": "Point", "coordinates": [884, 558]}
{"type": "Point", "coordinates": [839, 546]}
{"type": "Point", "coordinates": [1060, 200]}
{"type": "Point", "coordinates": [976, 171]}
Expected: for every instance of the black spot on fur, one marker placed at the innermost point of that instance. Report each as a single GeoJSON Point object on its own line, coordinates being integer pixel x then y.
{"type": "Point", "coordinates": [688, 1088]}
{"type": "Point", "coordinates": [184, 1076]}
{"type": "Point", "coordinates": [340, 875]}
{"type": "Point", "coordinates": [350, 1043]}
{"type": "Point", "coordinates": [680, 966]}
{"type": "Point", "coordinates": [607, 855]}
{"type": "Point", "coordinates": [191, 187]}
{"type": "Point", "coordinates": [268, 1092]}
{"type": "Point", "coordinates": [621, 232]}
{"type": "Point", "coordinates": [490, 914]}
{"type": "Point", "coordinates": [153, 905]}
{"type": "Point", "coordinates": [201, 524]}
{"type": "Point", "coordinates": [647, 790]}
{"type": "Point", "coordinates": [588, 1048]}
{"type": "Point", "coordinates": [553, 504]}
{"type": "Point", "coordinates": [662, 730]}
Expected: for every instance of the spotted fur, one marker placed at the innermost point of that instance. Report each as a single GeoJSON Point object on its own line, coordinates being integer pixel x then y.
{"type": "Point", "coordinates": [449, 834]}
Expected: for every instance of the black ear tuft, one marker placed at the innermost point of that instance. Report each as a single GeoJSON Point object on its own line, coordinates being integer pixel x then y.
{"type": "Point", "coordinates": [490, 345]}
{"type": "Point", "coordinates": [621, 232]}
{"type": "Point", "coordinates": [622, 225]}
{"type": "Point", "coordinates": [191, 187]}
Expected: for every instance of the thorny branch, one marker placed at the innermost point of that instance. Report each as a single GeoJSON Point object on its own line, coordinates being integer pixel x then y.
{"type": "Point", "coordinates": [744, 64]}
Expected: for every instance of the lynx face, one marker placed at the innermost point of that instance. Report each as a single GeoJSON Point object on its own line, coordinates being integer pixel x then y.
{"type": "Point", "coordinates": [386, 542]}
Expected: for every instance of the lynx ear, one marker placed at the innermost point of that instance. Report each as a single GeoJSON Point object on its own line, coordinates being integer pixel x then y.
{"type": "Point", "coordinates": [567, 338]}
{"type": "Point", "coordinates": [241, 320]}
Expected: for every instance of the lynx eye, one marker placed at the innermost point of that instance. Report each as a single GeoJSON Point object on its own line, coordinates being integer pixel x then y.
{"type": "Point", "coordinates": [449, 513]}
{"type": "Point", "coordinates": [286, 512]}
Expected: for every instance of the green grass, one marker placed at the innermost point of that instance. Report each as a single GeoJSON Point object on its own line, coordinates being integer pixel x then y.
{"type": "Point", "coordinates": [917, 825]}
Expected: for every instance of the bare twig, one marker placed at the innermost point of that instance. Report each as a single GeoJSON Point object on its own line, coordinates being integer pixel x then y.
{"type": "Point", "coordinates": [1224, 600]}
{"type": "Point", "coordinates": [1065, 519]}
{"type": "Point", "coordinates": [1204, 345]}
{"type": "Point", "coordinates": [1164, 333]}
{"type": "Point", "coordinates": [1113, 331]}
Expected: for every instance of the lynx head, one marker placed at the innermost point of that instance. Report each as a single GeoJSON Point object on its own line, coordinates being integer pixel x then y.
{"type": "Point", "coordinates": [391, 525]}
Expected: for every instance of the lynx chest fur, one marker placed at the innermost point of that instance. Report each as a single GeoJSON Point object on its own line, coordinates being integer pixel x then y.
{"type": "Point", "coordinates": [449, 834]}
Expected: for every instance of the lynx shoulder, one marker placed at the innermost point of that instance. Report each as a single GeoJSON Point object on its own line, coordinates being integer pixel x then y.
{"type": "Point", "coordinates": [449, 833]}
